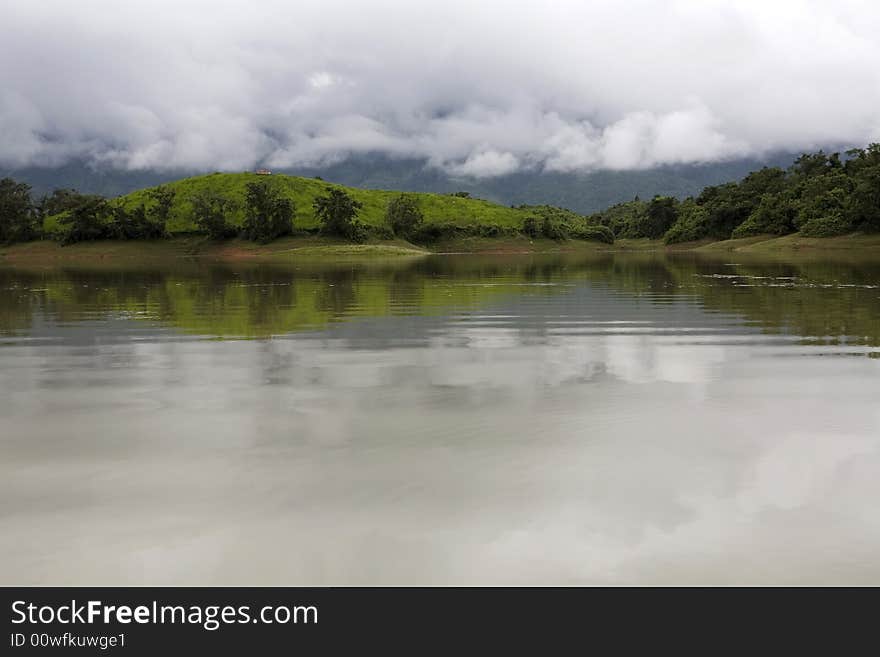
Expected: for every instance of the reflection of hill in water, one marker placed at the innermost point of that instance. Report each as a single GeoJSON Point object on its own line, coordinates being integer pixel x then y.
{"type": "Point", "coordinates": [548, 295]}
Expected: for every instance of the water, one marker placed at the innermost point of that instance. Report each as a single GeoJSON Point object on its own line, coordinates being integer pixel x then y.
{"type": "Point", "coordinates": [455, 420]}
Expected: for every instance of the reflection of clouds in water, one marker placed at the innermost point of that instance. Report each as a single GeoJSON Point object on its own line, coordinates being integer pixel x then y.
{"type": "Point", "coordinates": [645, 359]}
{"type": "Point", "coordinates": [800, 468]}
{"type": "Point", "coordinates": [496, 449]}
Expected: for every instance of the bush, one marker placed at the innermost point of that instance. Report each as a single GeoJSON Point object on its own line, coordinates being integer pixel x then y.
{"type": "Point", "coordinates": [835, 223]}
{"type": "Point", "coordinates": [337, 212]}
{"type": "Point", "coordinates": [381, 232]}
{"type": "Point", "coordinates": [595, 233]}
{"type": "Point", "coordinates": [19, 220]}
{"type": "Point", "coordinates": [268, 214]}
{"type": "Point", "coordinates": [429, 233]}
{"type": "Point", "coordinates": [89, 220]}
{"type": "Point", "coordinates": [163, 199]}
{"type": "Point", "coordinates": [692, 224]}
{"type": "Point", "coordinates": [60, 200]}
{"type": "Point", "coordinates": [531, 227]}
{"type": "Point", "coordinates": [404, 215]}
{"type": "Point", "coordinates": [623, 219]}
{"type": "Point", "coordinates": [775, 215]}
{"type": "Point", "coordinates": [134, 225]}
{"type": "Point", "coordinates": [210, 212]}
{"type": "Point", "coordinates": [554, 229]}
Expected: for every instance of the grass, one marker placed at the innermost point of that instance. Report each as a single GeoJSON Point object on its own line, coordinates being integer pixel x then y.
{"type": "Point", "coordinates": [437, 208]}
{"type": "Point", "coordinates": [767, 244]}
{"type": "Point", "coordinates": [440, 210]}
{"type": "Point", "coordinates": [194, 246]}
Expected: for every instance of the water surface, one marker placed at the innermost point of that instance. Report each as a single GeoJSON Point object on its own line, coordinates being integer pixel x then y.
{"type": "Point", "coordinates": [453, 419]}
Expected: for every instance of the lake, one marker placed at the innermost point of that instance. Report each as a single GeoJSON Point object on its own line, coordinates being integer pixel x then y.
{"type": "Point", "coordinates": [557, 419]}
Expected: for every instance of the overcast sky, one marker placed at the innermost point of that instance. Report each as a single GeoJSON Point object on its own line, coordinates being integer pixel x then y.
{"type": "Point", "coordinates": [478, 87]}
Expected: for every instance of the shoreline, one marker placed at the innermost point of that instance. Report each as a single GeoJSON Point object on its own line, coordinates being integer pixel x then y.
{"type": "Point", "coordinates": [47, 252]}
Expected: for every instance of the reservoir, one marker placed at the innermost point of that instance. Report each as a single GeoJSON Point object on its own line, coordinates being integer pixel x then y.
{"type": "Point", "coordinates": [598, 418]}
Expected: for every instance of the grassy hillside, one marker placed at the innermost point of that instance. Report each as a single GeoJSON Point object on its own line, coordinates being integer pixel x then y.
{"type": "Point", "coordinates": [437, 208]}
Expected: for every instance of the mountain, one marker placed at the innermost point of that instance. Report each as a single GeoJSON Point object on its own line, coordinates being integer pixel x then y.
{"type": "Point", "coordinates": [582, 192]}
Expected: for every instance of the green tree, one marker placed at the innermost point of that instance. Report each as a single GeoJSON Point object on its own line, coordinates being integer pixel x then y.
{"type": "Point", "coordinates": [863, 167]}
{"type": "Point", "coordinates": [776, 214]}
{"type": "Point", "coordinates": [163, 200]}
{"type": "Point", "coordinates": [60, 200]}
{"type": "Point", "coordinates": [692, 223]}
{"type": "Point", "coordinates": [89, 220]}
{"type": "Point", "coordinates": [661, 213]}
{"type": "Point", "coordinates": [135, 224]}
{"type": "Point", "coordinates": [404, 215]}
{"type": "Point", "coordinates": [210, 212]}
{"type": "Point", "coordinates": [268, 214]}
{"type": "Point", "coordinates": [18, 219]}
{"type": "Point", "coordinates": [531, 227]}
{"type": "Point", "coordinates": [337, 212]}
{"type": "Point", "coordinates": [824, 207]}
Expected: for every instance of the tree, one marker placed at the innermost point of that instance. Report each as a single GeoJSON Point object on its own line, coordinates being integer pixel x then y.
{"type": "Point", "coordinates": [60, 200]}
{"type": "Point", "coordinates": [404, 215]}
{"type": "Point", "coordinates": [337, 212]}
{"type": "Point", "coordinates": [692, 223]}
{"type": "Point", "coordinates": [18, 219]}
{"type": "Point", "coordinates": [661, 213]}
{"type": "Point", "coordinates": [268, 214]}
{"type": "Point", "coordinates": [89, 220]}
{"type": "Point", "coordinates": [163, 199]}
{"type": "Point", "coordinates": [864, 169]}
{"type": "Point", "coordinates": [776, 214]}
{"type": "Point", "coordinates": [135, 224]}
{"type": "Point", "coordinates": [210, 211]}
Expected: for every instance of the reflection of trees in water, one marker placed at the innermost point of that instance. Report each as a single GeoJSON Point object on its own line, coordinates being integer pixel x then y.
{"type": "Point", "coordinates": [813, 298]}
{"type": "Point", "coordinates": [406, 289]}
{"type": "Point", "coordinates": [337, 293]}
{"type": "Point", "coordinates": [18, 301]}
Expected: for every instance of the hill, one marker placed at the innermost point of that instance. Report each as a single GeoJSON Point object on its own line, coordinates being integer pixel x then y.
{"type": "Point", "coordinates": [437, 208]}
{"type": "Point", "coordinates": [582, 192]}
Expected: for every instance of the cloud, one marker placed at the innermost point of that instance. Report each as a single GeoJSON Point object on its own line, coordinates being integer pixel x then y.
{"type": "Point", "coordinates": [478, 90]}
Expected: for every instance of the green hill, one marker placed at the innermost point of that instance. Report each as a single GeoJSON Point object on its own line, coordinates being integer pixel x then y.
{"type": "Point", "coordinates": [437, 208]}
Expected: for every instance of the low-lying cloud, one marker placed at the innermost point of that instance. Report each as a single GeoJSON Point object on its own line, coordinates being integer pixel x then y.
{"type": "Point", "coordinates": [477, 89]}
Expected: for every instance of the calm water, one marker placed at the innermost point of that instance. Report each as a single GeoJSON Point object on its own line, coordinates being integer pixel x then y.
{"type": "Point", "coordinates": [604, 419]}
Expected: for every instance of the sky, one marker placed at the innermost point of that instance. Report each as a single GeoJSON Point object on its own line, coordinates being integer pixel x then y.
{"type": "Point", "coordinates": [477, 88]}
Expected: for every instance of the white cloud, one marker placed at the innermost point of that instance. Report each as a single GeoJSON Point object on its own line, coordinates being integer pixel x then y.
{"type": "Point", "coordinates": [478, 89]}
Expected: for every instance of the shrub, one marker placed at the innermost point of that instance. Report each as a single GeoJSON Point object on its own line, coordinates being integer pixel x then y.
{"type": "Point", "coordinates": [19, 220]}
{"type": "Point", "coordinates": [134, 225]}
{"type": "Point", "coordinates": [87, 221]}
{"type": "Point", "coordinates": [337, 212]}
{"type": "Point", "coordinates": [267, 214]}
{"type": "Point", "coordinates": [692, 224]}
{"type": "Point", "coordinates": [554, 229]}
{"type": "Point", "coordinates": [834, 223]}
{"type": "Point", "coordinates": [436, 232]}
{"type": "Point", "coordinates": [775, 215]}
{"type": "Point", "coordinates": [381, 232]}
{"type": "Point", "coordinates": [404, 215]}
{"type": "Point", "coordinates": [163, 199]}
{"type": "Point", "coordinates": [623, 219]}
{"type": "Point", "coordinates": [531, 227]}
{"type": "Point", "coordinates": [595, 233]}
{"type": "Point", "coordinates": [210, 211]}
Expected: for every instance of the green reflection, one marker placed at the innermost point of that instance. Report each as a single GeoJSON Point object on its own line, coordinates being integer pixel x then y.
{"type": "Point", "coordinates": [822, 300]}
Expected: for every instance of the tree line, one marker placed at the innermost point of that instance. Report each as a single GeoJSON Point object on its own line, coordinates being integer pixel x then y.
{"type": "Point", "coordinates": [268, 214]}
{"type": "Point", "coordinates": [819, 195]}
